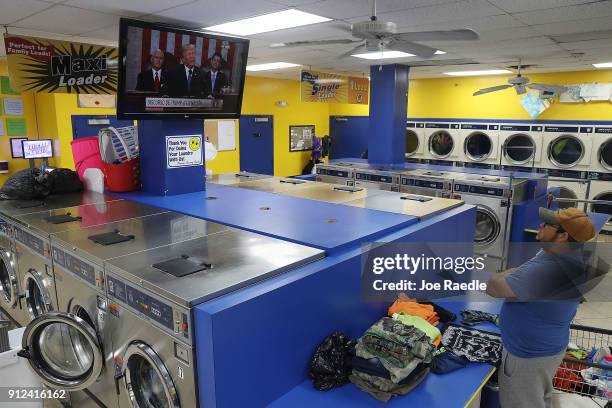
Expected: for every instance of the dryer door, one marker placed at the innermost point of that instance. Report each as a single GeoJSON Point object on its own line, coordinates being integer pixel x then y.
{"type": "Point", "coordinates": [478, 146]}
{"type": "Point", "coordinates": [604, 207]}
{"type": "Point", "coordinates": [63, 350]}
{"type": "Point", "coordinates": [519, 148]}
{"type": "Point", "coordinates": [604, 154]}
{"type": "Point", "coordinates": [147, 380]}
{"type": "Point", "coordinates": [8, 279]}
{"type": "Point", "coordinates": [412, 143]}
{"type": "Point", "coordinates": [487, 227]}
{"type": "Point", "coordinates": [441, 144]}
{"type": "Point", "coordinates": [566, 151]}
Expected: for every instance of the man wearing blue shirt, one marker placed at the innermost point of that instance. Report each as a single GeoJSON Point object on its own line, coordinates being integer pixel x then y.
{"type": "Point", "coordinates": [542, 296]}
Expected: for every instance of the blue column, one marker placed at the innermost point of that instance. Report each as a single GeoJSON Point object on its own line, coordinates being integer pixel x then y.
{"type": "Point", "coordinates": [388, 111]}
{"type": "Point", "coordinates": [157, 175]}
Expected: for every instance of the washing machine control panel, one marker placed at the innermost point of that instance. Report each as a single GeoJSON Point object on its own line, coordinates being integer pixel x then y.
{"type": "Point", "coordinates": [6, 229]}
{"type": "Point", "coordinates": [375, 177]}
{"type": "Point", "coordinates": [436, 185]}
{"type": "Point", "coordinates": [333, 173]}
{"type": "Point", "coordinates": [481, 190]}
{"type": "Point", "coordinates": [81, 269]}
{"type": "Point", "coordinates": [168, 317]}
{"type": "Point", "coordinates": [32, 241]}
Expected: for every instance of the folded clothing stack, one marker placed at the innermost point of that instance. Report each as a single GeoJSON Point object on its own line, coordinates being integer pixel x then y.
{"type": "Point", "coordinates": [391, 359]}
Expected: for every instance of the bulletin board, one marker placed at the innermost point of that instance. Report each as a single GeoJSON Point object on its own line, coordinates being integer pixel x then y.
{"type": "Point", "coordinates": [221, 133]}
{"type": "Point", "coordinates": [300, 138]}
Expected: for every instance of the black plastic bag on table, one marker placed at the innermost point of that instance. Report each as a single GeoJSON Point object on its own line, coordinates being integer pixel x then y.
{"type": "Point", "coordinates": [331, 363]}
{"type": "Point", "coordinates": [26, 184]}
{"type": "Point", "coordinates": [62, 181]}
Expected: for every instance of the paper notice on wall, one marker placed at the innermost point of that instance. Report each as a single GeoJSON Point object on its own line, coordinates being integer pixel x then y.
{"type": "Point", "coordinates": [226, 135]}
{"type": "Point", "coordinates": [595, 92]}
{"type": "Point", "coordinates": [534, 105]}
{"type": "Point", "coordinates": [1, 127]}
{"type": "Point", "coordinates": [571, 94]}
{"type": "Point", "coordinates": [184, 151]}
{"type": "Point", "coordinates": [13, 106]}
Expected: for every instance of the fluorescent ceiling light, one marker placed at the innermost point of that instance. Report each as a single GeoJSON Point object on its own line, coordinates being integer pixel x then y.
{"type": "Point", "coordinates": [603, 65]}
{"type": "Point", "coordinates": [478, 73]}
{"type": "Point", "coordinates": [271, 65]}
{"type": "Point", "coordinates": [383, 55]}
{"type": "Point", "coordinates": [440, 52]}
{"type": "Point", "coordinates": [268, 22]}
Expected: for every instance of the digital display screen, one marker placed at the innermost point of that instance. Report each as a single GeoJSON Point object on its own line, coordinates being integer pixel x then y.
{"type": "Point", "coordinates": [17, 148]}
{"type": "Point", "coordinates": [37, 149]}
{"type": "Point", "coordinates": [333, 173]}
{"type": "Point", "coordinates": [374, 177]}
{"type": "Point", "coordinates": [464, 188]}
{"type": "Point", "coordinates": [173, 72]}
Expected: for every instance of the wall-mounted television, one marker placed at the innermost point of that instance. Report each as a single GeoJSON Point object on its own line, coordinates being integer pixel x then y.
{"type": "Point", "coordinates": [173, 72]}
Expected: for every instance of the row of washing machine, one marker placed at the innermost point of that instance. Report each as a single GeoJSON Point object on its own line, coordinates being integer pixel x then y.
{"type": "Point", "coordinates": [494, 197]}
{"type": "Point", "coordinates": [106, 290]}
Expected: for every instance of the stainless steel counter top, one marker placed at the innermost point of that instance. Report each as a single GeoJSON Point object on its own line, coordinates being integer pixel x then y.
{"type": "Point", "coordinates": [235, 178]}
{"type": "Point", "coordinates": [332, 193]}
{"type": "Point", "coordinates": [276, 184]}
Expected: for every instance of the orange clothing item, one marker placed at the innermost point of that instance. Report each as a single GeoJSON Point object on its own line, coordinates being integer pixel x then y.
{"type": "Point", "coordinates": [437, 341]}
{"type": "Point", "coordinates": [408, 306]}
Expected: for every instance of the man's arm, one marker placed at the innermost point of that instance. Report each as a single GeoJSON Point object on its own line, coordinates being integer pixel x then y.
{"type": "Point", "coordinates": [497, 286]}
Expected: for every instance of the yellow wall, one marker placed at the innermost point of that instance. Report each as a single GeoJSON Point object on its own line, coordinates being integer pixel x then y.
{"type": "Point", "coordinates": [32, 132]}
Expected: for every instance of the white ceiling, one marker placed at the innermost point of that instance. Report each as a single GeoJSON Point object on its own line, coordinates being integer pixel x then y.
{"type": "Point", "coordinates": [556, 35]}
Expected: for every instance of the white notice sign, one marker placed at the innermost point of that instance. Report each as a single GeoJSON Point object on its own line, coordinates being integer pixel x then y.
{"type": "Point", "coordinates": [13, 106]}
{"type": "Point", "coordinates": [184, 151]}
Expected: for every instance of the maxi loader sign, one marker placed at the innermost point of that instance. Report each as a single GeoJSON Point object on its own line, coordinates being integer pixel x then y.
{"type": "Point", "coordinates": [48, 66]}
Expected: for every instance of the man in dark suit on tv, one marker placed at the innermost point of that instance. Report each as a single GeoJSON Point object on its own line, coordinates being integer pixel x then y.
{"type": "Point", "coordinates": [187, 79]}
{"type": "Point", "coordinates": [154, 78]}
{"type": "Point", "coordinates": [215, 80]}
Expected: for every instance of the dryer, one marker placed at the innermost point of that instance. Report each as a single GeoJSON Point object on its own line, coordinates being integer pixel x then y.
{"type": "Point", "coordinates": [442, 143]}
{"type": "Point", "coordinates": [520, 146]}
{"type": "Point", "coordinates": [602, 150]}
{"type": "Point", "coordinates": [572, 185]}
{"type": "Point", "coordinates": [567, 147]}
{"type": "Point", "coordinates": [479, 144]}
{"type": "Point", "coordinates": [153, 294]}
{"type": "Point", "coordinates": [415, 141]}
{"type": "Point", "coordinates": [601, 190]}
{"type": "Point", "coordinates": [80, 360]}
{"type": "Point", "coordinates": [494, 198]}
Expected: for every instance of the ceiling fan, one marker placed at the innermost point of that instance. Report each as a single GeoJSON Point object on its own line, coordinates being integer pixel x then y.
{"type": "Point", "coordinates": [520, 83]}
{"type": "Point", "coordinates": [374, 35]}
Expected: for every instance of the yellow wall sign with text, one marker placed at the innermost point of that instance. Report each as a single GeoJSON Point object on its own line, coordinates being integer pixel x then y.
{"type": "Point", "coordinates": [49, 66]}
{"type": "Point", "coordinates": [332, 88]}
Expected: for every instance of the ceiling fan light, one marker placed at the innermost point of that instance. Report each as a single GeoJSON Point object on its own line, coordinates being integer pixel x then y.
{"type": "Point", "coordinates": [268, 22]}
{"type": "Point", "coordinates": [603, 65]}
{"type": "Point", "coordinates": [382, 55]}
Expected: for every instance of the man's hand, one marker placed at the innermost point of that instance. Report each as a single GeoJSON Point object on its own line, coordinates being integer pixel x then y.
{"type": "Point", "coordinates": [497, 286]}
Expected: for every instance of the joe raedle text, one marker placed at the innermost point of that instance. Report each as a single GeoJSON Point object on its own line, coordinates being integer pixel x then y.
{"type": "Point", "coordinates": [406, 285]}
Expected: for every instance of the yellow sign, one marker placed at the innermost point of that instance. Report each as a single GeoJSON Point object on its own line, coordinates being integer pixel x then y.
{"type": "Point", "coordinates": [49, 66]}
{"type": "Point", "coordinates": [332, 88]}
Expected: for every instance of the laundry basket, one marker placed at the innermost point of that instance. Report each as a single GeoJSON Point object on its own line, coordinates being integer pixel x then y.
{"type": "Point", "coordinates": [86, 154]}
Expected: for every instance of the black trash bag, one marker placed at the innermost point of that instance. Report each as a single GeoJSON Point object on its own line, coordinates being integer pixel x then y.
{"type": "Point", "coordinates": [331, 363]}
{"type": "Point", "coordinates": [25, 185]}
{"type": "Point", "coordinates": [62, 181]}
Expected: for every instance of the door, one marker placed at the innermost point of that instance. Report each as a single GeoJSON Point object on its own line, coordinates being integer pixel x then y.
{"type": "Point", "coordinates": [349, 135]}
{"type": "Point", "coordinates": [38, 291]}
{"type": "Point", "coordinates": [8, 279]}
{"type": "Point", "coordinates": [63, 350]}
{"type": "Point", "coordinates": [488, 227]}
{"type": "Point", "coordinates": [89, 125]}
{"type": "Point", "coordinates": [257, 144]}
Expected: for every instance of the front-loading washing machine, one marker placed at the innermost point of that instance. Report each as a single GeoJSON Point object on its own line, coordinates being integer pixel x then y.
{"type": "Point", "coordinates": [431, 183]}
{"type": "Point", "coordinates": [415, 141]}
{"type": "Point", "coordinates": [80, 359]}
{"type": "Point", "coordinates": [442, 143]}
{"type": "Point", "coordinates": [567, 147]}
{"type": "Point", "coordinates": [602, 150]}
{"type": "Point", "coordinates": [152, 296]}
{"type": "Point", "coordinates": [520, 145]}
{"type": "Point", "coordinates": [9, 281]}
{"type": "Point", "coordinates": [479, 145]}
{"type": "Point", "coordinates": [494, 198]}
{"type": "Point", "coordinates": [336, 173]}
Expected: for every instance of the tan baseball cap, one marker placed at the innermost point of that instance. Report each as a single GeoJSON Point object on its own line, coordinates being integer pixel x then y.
{"type": "Point", "coordinates": [575, 222]}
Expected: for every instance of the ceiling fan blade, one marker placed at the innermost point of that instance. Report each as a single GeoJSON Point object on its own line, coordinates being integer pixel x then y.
{"type": "Point", "coordinates": [440, 35]}
{"type": "Point", "coordinates": [312, 43]}
{"type": "Point", "coordinates": [341, 25]}
{"type": "Point", "coordinates": [419, 50]}
{"type": "Point", "coordinates": [491, 89]}
{"type": "Point", "coordinates": [361, 48]}
{"type": "Point", "coordinates": [547, 87]}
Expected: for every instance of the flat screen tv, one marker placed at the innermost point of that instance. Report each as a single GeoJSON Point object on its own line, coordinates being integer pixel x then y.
{"type": "Point", "coordinates": [171, 72]}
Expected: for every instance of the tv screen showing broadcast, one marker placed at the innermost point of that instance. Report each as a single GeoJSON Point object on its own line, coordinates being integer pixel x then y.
{"type": "Point", "coordinates": [171, 72]}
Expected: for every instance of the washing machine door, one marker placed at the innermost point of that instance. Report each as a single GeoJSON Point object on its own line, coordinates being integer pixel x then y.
{"type": "Point", "coordinates": [478, 146]}
{"type": "Point", "coordinates": [604, 154]}
{"type": "Point", "coordinates": [441, 144]}
{"type": "Point", "coordinates": [488, 227]}
{"type": "Point", "coordinates": [566, 151]}
{"type": "Point", "coordinates": [603, 207]}
{"type": "Point", "coordinates": [63, 350]}
{"type": "Point", "coordinates": [147, 380]}
{"type": "Point", "coordinates": [8, 280]}
{"type": "Point", "coordinates": [519, 148]}
{"type": "Point", "coordinates": [37, 293]}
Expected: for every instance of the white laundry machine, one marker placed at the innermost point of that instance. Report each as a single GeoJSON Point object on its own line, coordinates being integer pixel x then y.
{"type": "Point", "coordinates": [567, 147]}
{"type": "Point", "coordinates": [601, 190]}
{"type": "Point", "coordinates": [479, 144]}
{"type": "Point", "coordinates": [415, 141]}
{"type": "Point", "coordinates": [601, 157]}
{"type": "Point", "coordinates": [9, 279]}
{"type": "Point", "coordinates": [442, 143]}
{"type": "Point", "coordinates": [520, 146]}
{"type": "Point", "coordinates": [337, 173]}
{"type": "Point", "coordinates": [494, 198]}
